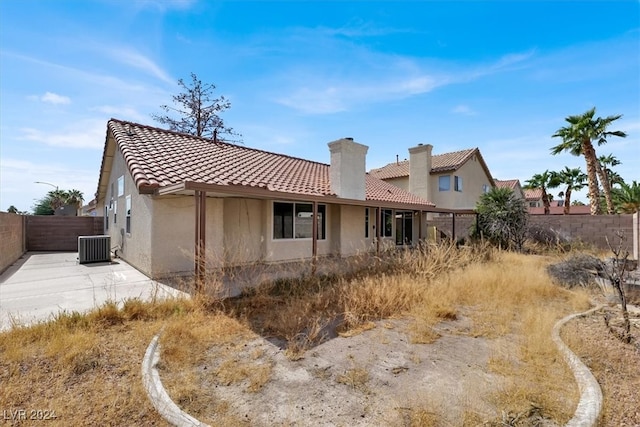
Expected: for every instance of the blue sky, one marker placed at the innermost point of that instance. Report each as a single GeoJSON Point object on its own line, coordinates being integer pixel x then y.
{"type": "Point", "coordinates": [501, 76]}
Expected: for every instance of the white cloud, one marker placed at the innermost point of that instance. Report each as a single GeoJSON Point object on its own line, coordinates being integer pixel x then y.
{"type": "Point", "coordinates": [342, 96]}
{"type": "Point", "coordinates": [19, 187]}
{"type": "Point", "coordinates": [400, 78]}
{"type": "Point", "coordinates": [137, 60]}
{"type": "Point", "coordinates": [84, 134]}
{"type": "Point", "coordinates": [463, 109]}
{"type": "Point", "coordinates": [55, 99]}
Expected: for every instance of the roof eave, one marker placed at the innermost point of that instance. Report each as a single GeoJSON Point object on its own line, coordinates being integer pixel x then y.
{"type": "Point", "coordinates": [263, 193]}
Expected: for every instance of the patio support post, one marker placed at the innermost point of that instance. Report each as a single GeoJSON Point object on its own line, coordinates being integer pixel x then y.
{"type": "Point", "coordinates": [314, 238]}
{"type": "Point", "coordinates": [200, 243]}
{"type": "Point", "coordinates": [378, 227]}
{"type": "Point", "coordinates": [453, 226]}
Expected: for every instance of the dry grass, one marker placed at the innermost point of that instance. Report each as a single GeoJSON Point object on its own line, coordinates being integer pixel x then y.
{"type": "Point", "coordinates": [87, 368]}
{"type": "Point", "coordinates": [613, 363]}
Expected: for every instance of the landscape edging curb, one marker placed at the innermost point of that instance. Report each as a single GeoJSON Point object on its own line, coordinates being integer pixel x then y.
{"type": "Point", "coordinates": [156, 392]}
{"type": "Point", "coordinates": [590, 404]}
{"type": "Point", "coordinates": [586, 414]}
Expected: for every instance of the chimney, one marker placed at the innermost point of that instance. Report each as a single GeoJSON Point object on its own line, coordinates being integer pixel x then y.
{"type": "Point", "coordinates": [420, 170]}
{"type": "Point", "coordinates": [348, 170]}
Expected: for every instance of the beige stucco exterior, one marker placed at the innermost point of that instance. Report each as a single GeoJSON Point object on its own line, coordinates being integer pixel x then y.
{"type": "Point", "coordinates": [474, 182]}
{"type": "Point", "coordinates": [239, 230]}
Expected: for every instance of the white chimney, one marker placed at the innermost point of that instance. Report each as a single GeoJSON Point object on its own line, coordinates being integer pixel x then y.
{"type": "Point", "coordinates": [420, 170]}
{"type": "Point", "coordinates": [348, 168]}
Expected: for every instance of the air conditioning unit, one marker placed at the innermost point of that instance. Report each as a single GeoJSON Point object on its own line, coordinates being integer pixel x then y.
{"type": "Point", "coordinates": [94, 249]}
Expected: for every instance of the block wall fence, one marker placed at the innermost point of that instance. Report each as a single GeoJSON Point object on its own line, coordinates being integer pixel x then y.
{"type": "Point", "coordinates": [593, 230]}
{"type": "Point", "coordinates": [22, 233]}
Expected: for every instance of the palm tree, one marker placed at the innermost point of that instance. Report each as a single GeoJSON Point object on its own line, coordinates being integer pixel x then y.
{"type": "Point", "coordinates": [543, 181]}
{"type": "Point", "coordinates": [57, 198]}
{"type": "Point", "coordinates": [572, 179]}
{"type": "Point", "coordinates": [578, 139]}
{"type": "Point", "coordinates": [75, 198]}
{"type": "Point", "coordinates": [627, 197]}
{"type": "Point", "coordinates": [606, 163]}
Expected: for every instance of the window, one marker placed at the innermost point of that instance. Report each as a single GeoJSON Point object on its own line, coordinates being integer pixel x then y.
{"type": "Point", "coordinates": [115, 211]}
{"type": "Point", "coordinates": [295, 221]}
{"type": "Point", "coordinates": [444, 183]}
{"type": "Point", "coordinates": [533, 204]}
{"type": "Point", "coordinates": [387, 221]}
{"type": "Point", "coordinates": [457, 183]}
{"type": "Point", "coordinates": [121, 186]}
{"type": "Point", "coordinates": [366, 223]}
{"type": "Point", "coordinates": [128, 215]}
{"type": "Point", "coordinates": [485, 188]}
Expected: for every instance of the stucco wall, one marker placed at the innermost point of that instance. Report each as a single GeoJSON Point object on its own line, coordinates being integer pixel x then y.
{"type": "Point", "coordinates": [473, 178]}
{"type": "Point", "coordinates": [173, 231]}
{"type": "Point", "coordinates": [352, 240]}
{"type": "Point", "coordinates": [12, 238]}
{"type": "Point", "coordinates": [134, 247]}
{"type": "Point", "coordinates": [244, 230]}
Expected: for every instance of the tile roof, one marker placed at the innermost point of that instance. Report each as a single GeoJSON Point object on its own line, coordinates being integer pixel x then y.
{"type": "Point", "coordinates": [159, 158]}
{"type": "Point", "coordinates": [507, 183]}
{"type": "Point", "coordinates": [439, 163]}
{"type": "Point", "coordinates": [533, 193]}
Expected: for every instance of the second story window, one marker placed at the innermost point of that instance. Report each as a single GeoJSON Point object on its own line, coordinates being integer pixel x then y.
{"type": "Point", "coordinates": [444, 183]}
{"type": "Point", "coordinates": [457, 186]}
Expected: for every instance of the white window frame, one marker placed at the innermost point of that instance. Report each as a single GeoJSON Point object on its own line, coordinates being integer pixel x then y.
{"type": "Point", "coordinates": [127, 213]}
{"type": "Point", "coordinates": [121, 186]}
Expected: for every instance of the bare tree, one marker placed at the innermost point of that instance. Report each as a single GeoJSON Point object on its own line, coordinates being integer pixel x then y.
{"type": "Point", "coordinates": [198, 111]}
{"type": "Point", "coordinates": [616, 273]}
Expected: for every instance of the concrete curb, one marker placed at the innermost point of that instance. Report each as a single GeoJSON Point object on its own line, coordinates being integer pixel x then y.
{"type": "Point", "coordinates": [590, 404]}
{"type": "Point", "coordinates": [156, 392]}
{"type": "Point", "coordinates": [586, 415]}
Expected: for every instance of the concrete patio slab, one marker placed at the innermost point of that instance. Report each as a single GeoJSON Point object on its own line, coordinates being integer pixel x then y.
{"type": "Point", "coordinates": [42, 284]}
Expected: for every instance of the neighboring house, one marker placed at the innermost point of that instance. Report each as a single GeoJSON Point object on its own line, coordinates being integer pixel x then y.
{"type": "Point", "coordinates": [533, 196]}
{"type": "Point", "coordinates": [453, 180]}
{"type": "Point", "coordinates": [512, 184]}
{"type": "Point", "coordinates": [556, 207]}
{"type": "Point", "coordinates": [170, 198]}
{"type": "Point", "coordinates": [89, 209]}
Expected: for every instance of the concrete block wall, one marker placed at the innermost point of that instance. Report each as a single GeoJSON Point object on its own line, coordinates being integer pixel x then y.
{"type": "Point", "coordinates": [59, 233]}
{"type": "Point", "coordinates": [593, 230]}
{"type": "Point", "coordinates": [12, 239]}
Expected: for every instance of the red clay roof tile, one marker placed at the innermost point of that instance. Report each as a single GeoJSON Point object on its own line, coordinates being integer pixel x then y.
{"type": "Point", "coordinates": [157, 157]}
{"type": "Point", "coordinates": [439, 163]}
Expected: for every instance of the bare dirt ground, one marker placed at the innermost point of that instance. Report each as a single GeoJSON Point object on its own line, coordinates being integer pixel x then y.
{"type": "Point", "coordinates": [376, 378]}
{"type": "Point", "coordinates": [380, 378]}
